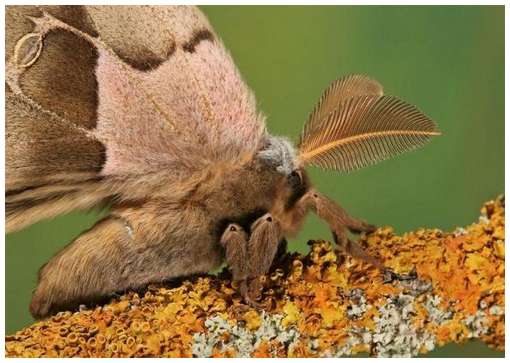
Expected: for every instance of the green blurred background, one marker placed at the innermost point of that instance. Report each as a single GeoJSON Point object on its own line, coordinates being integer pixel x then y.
{"type": "Point", "coordinates": [448, 60]}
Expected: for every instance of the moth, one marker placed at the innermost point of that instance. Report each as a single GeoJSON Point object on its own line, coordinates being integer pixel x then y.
{"type": "Point", "coordinates": [141, 109]}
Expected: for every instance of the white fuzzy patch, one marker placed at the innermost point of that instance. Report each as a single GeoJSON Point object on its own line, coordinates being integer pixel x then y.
{"type": "Point", "coordinates": [281, 153]}
{"type": "Point", "coordinates": [243, 341]}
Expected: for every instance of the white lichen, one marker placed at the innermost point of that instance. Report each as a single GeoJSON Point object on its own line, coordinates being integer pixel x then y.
{"type": "Point", "coordinates": [477, 324]}
{"type": "Point", "coordinates": [242, 340]}
{"type": "Point", "coordinates": [437, 315]}
{"type": "Point", "coordinates": [395, 334]}
{"type": "Point", "coordinates": [358, 305]}
{"type": "Point", "coordinates": [496, 310]}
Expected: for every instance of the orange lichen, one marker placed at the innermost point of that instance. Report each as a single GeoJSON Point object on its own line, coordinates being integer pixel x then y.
{"type": "Point", "coordinates": [321, 304]}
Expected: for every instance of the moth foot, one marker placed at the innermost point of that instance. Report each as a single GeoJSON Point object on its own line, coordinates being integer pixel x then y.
{"type": "Point", "coordinates": [252, 294]}
{"type": "Point", "coordinates": [253, 303]}
{"type": "Point", "coordinates": [361, 226]}
{"type": "Point", "coordinates": [369, 228]}
{"type": "Point", "coordinates": [346, 246]}
{"type": "Point", "coordinates": [250, 301]}
{"type": "Point", "coordinates": [388, 276]}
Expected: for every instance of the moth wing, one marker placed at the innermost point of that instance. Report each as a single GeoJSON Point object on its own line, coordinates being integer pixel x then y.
{"type": "Point", "coordinates": [184, 106]}
{"type": "Point", "coordinates": [47, 98]}
{"type": "Point", "coordinates": [146, 88]}
{"type": "Point", "coordinates": [52, 165]}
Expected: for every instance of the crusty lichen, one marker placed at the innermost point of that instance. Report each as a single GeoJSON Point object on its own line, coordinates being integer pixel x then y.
{"type": "Point", "coordinates": [315, 305]}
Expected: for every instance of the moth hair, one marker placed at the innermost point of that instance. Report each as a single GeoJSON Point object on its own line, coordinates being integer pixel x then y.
{"type": "Point", "coordinates": [280, 153]}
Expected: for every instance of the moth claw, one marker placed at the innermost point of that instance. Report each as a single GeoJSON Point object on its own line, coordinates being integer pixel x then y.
{"type": "Point", "coordinates": [370, 228]}
{"type": "Point", "coordinates": [412, 275]}
{"type": "Point", "coordinates": [388, 276]}
{"type": "Point", "coordinates": [253, 304]}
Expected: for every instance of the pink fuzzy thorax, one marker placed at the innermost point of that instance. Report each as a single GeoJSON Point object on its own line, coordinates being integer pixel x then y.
{"type": "Point", "coordinates": [192, 104]}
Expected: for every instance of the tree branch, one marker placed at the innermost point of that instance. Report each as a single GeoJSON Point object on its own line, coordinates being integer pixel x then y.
{"type": "Point", "coordinates": [320, 304]}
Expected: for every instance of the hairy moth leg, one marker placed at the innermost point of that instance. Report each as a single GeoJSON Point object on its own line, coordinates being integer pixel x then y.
{"type": "Point", "coordinates": [339, 221]}
{"type": "Point", "coordinates": [263, 244]}
{"type": "Point", "coordinates": [327, 205]}
{"type": "Point", "coordinates": [235, 242]}
{"type": "Point", "coordinates": [281, 251]}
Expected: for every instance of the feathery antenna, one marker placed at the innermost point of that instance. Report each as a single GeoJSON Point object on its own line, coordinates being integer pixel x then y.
{"type": "Point", "coordinates": [354, 125]}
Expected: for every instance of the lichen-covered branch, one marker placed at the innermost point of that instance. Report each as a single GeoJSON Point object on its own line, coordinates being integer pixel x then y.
{"type": "Point", "coordinates": [315, 305]}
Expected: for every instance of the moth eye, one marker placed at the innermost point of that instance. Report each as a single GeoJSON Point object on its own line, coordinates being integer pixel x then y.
{"type": "Point", "coordinates": [294, 178]}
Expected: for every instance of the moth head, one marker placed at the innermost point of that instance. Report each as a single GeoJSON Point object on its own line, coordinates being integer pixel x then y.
{"type": "Point", "coordinates": [279, 154]}
{"type": "Point", "coordinates": [354, 125]}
